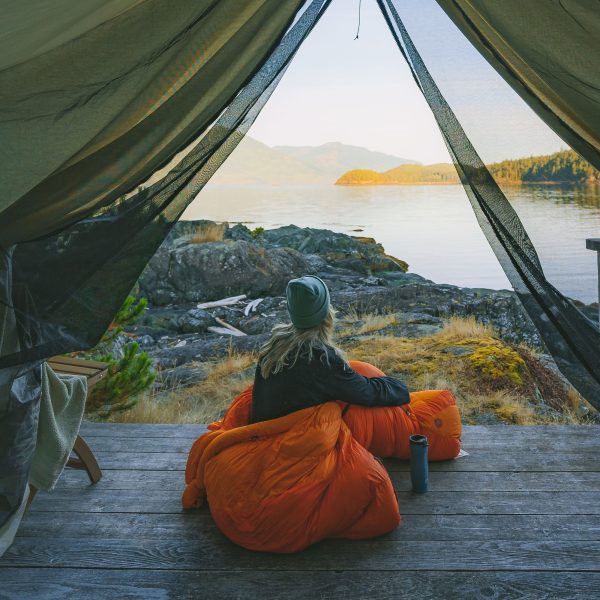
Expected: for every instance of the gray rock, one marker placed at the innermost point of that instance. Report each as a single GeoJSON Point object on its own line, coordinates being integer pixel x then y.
{"type": "Point", "coordinates": [238, 232]}
{"type": "Point", "coordinates": [214, 270]}
{"type": "Point", "coordinates": [203, 349]}
{"type": "Point", "coordinates": [363, 255]}
{"type": "Point", "coordinates": [146, 341]}
{"type": "Point", "coordinates": [195, 320]}
{"type": "Point", "coordinates": [180, 376]}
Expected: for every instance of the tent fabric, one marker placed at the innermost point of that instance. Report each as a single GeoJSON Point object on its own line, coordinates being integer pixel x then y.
{"type": "Point", "coordinates": [58, 293]}
{"type": "Point", "coordinates": [106, 114]}
{"type": "Point", "coordinates": [91, 118]}
{"type": "Point", "coordinates": [284, 484]}
{"type": "Point", "coordinates": [549, 52]}
{"type": "Point", "coordinates": [572, 338]}
{"type": "Point", "coordinates": [71, 283]}
{"type": "Point", "coordinates": [61, 405]}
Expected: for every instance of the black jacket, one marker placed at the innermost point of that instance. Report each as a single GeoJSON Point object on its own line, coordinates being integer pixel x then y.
{"type": "Point", "coordinates": [308, 384]}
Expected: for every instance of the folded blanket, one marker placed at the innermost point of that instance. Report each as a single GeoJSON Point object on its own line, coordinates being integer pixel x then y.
{"type": "Point", "coordinates": [284, 484]}
{"type": "Point", "coordinates": [62, 405]}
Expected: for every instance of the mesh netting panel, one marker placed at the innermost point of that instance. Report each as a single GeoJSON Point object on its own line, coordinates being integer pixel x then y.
{"type": "Point", "coordinates": [60, 292]}
{"type": "Point", "coordinates": [572, 339]}
{"type": "Point", "coordinates": [73, 282]}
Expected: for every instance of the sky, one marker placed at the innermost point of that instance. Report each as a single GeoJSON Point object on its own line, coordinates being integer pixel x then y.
{"type": "Point", "coordinates": [361, 91]}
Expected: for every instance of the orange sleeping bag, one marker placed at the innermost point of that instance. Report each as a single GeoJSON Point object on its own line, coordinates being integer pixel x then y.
{"type": "Point", "coordinates": [283, 484]}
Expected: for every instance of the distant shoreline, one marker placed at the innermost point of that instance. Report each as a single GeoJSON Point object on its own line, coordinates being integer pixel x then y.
{"type": "Point", "coordinates": [438, 183]}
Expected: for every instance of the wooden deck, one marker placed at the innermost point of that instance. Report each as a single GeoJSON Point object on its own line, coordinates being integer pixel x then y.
{"type": "Point", "coordinates": [518, 517]}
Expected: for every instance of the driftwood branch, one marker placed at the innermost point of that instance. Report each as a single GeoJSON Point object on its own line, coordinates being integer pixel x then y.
{"type": "Point", "coordinates": [223, 302]}
{"type": "Point", "coordinates": [251, 306]}
{"type": "Point", "coordinates": [228, 326]}
{"type": "Point", "coordinates": [225, 331]}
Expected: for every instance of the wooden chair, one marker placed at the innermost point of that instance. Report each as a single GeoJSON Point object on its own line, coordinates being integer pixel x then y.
{"type": "Point", "coordinates": [94, 371]}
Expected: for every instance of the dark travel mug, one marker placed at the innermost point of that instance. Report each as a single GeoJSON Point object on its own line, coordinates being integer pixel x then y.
{"type": "Point", "coordinates": [419, 470]}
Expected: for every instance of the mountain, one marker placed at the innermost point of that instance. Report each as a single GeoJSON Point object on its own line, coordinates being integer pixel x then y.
{"type": "Point", "coordinates": [255, 163]}
{"type": "Point", "coordinates": [335, 158]}
{"type": "Point", "coordinates": [561, 167]}
{"type": "Point", "coordinates": [441, 173]}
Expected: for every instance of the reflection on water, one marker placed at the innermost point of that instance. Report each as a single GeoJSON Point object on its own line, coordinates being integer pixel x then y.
{"type": "Point", "coordinates": [433, 228]}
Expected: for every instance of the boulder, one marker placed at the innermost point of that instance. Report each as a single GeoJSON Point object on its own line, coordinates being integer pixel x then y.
{"type": "Point", "coordinates": [195, 320]}
{"type": "Point", "coordinates": [360, 254]}
{"type": "Point", "coordinates": [189, 272]}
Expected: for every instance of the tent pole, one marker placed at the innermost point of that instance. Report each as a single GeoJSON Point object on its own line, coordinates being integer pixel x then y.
{"type": "Point", "coordinates": [594, 244]}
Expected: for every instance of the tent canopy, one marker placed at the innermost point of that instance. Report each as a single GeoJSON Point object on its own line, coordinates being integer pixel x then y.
{"type": "Point", "coordinates": [96, 96]}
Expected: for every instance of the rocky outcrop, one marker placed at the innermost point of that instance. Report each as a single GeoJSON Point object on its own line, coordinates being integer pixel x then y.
{"type": "Point", "coordinates": [180, 337]}
{"type": "Point", "coordinates": [360, 254]}
{"type": "Point", "coordinates": [188, 272]}
{"type": "Point", "coordinates": [254, 263]}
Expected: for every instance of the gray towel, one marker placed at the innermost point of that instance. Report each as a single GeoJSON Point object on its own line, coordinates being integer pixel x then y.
{"type": "Point", "coordinates": [61, 411]}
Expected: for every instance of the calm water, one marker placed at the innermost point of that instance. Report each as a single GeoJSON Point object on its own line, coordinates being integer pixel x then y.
{"type": "Point", "coordinates": [431, 227]}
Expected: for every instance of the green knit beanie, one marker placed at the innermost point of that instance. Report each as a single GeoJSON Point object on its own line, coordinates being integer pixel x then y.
{"type": "Point", "coordinates": [307, 301]}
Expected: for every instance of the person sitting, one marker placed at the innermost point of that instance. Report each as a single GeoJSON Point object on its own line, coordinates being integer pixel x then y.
{"type": "Point", "coordinates": [300, 367]}
{"type": "Point", "coordinates": [293, 460]}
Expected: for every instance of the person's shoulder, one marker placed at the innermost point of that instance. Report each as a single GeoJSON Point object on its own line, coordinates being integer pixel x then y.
{"type": "Point", "coordinates": [334, 359]}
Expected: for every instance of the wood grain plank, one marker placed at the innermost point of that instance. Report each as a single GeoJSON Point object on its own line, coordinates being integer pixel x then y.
{"type": "Point", "coordinates": [372, 555]}
{"type": "Point", "coordinates": [503, 433]}
{"type": "Point", "coordinates": [70, 360]}
{"type": "Point", "coordinates": [127, 479]}
{"type": "Point", "coordinates": [168, 501]}
{"type": "Point", "coordinates": [192, 524]}
{"type": "Point", "coordinates": [131, 430]}
{"type": "Point", "coordinates": [113, 584]}
{"type": "Point", "coordinates": [177, 443]}
{"type": "Point", "coordinates": [488, 461]}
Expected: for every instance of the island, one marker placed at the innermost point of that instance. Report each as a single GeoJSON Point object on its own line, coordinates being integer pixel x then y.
{"type": "Point", "coordinates": [565, 166]}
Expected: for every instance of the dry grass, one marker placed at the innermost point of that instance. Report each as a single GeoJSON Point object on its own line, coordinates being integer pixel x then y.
{"type": "Point", "coordinates": [201, 403]}
{"type": "Point", "coordinates": [211, 232]}
{"type": "Point", "coordinates": [465, 327]}
{"type": "Point", "coordinates": [440, 361]}
{"type": "Point", "coordinates": [433, 362]}
{"type": "Point", "coordinates": [370, 323]}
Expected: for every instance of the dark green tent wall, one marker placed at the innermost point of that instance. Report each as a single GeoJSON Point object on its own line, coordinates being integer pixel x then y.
{"type": "Point", "coordinates": [97, 112]}
{"type": "Point", "coordinates": [94, 100]}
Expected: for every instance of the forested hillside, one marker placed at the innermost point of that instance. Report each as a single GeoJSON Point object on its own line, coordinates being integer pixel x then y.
{"type": "Point", "coordinates": [565, 166]}
{"type": "Point", "coordinates": [561, 167]}
{"type": "Point", "coordinates": [441, 173]}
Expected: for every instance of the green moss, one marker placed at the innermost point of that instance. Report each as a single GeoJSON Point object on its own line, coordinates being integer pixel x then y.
{"type": "Point", "coordinates": [495, 360]}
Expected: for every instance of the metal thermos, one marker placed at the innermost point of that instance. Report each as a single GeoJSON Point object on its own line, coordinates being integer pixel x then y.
{"type": "Point", "coordinates": [419, 471]}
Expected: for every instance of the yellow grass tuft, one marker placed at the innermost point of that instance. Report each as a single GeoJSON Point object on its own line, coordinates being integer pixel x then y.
{"type": "Point", "coordinates": [466, 327]}
{"type": "Point", "coordinates": [371, 322]}
{"type": "Point", "coordinates": [211, 232]}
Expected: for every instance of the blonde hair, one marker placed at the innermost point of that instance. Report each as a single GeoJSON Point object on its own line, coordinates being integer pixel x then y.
{"type": "Point", "coordinates": [287, 343]}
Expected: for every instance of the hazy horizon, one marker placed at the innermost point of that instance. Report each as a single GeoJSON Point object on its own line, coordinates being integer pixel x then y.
{"type": "Point", "coordinates": [448, 160]}
{"type": "Point", "coordinates": [361, 92]}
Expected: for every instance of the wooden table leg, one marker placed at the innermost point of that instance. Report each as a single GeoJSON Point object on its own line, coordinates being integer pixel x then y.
{"type": "Point", "coordinates": [85, 460]}
{"type": "Point", "coordinates": [32, 492]}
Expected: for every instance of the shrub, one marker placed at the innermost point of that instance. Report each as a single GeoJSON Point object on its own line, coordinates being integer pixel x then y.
{"type": "Point", "coordinates": [127, 375]}
{"type": "Point", "coordinates": [257, 232]}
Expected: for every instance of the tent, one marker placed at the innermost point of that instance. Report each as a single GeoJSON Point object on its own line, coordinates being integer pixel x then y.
{"type": "Point", "coordinates": [114, 115]}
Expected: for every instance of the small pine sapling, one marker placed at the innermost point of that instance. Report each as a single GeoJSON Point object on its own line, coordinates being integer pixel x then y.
{"type": "Point", "coordinates": [127, 376]}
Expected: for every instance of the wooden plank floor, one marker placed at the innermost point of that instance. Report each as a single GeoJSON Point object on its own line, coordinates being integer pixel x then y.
{"type": "Point", "coordinates": [517, 518]}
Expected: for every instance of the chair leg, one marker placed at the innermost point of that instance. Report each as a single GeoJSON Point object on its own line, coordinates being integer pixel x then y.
{"type": "Point", "coordinates": [32, 492]}
{"type": "Point", "coordinates": [85, 460]}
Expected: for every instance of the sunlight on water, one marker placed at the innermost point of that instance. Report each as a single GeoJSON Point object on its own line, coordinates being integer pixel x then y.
{"type": "Point", "coordinates": [433, 228]}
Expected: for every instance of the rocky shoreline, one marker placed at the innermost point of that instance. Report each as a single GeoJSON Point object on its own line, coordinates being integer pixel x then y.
{"type": "Point", "coordinates": [202, 261]}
